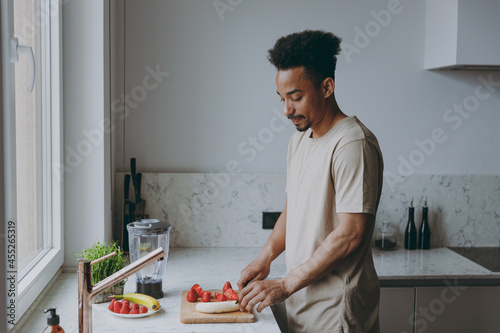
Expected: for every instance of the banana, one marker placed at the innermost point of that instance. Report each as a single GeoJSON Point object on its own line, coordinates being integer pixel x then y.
{"type": "Point", "coordinates": [141, 299]}
{"type": "Point", "coordinates": [217, 307]}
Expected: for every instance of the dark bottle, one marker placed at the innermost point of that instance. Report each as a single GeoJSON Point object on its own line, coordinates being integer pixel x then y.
{"type": "Point", "coordinates": [411, 229]}
{"type": "Point", "coordinates": [424, 234]}
{"type": "Point", "coordinates": [53, 322]}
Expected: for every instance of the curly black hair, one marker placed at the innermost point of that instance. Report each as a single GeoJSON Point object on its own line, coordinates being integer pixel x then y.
{"type": "Point", "coordinates": [315, 50]}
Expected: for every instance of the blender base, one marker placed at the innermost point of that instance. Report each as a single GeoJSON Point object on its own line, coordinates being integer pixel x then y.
{"type": "Point", "coordinates": [152, 289]}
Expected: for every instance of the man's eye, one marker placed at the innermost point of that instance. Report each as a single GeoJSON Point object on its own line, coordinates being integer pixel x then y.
{"type": "Point", "coordinates": [297, 99]}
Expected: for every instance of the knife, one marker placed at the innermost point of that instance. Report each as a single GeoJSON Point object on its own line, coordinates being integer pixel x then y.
{"type": "Point", "coordinates": [244, 285]}
{"type": "Point", "coordinates": [138, 201]}
{"type": "Point", "coordinates": [140, 205]}
{"type": "Point", "coordinates": [126, 213]}
{"type": "Point", "coordinates": [133, 173]}
{"type": "Point", "coordinates": [142, 202]}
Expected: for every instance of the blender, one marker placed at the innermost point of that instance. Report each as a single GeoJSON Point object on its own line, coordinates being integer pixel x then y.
{"type": "Point", "coordinates": [146, 236]}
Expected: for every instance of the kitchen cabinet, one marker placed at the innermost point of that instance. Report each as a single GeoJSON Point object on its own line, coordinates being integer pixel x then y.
{"type": "Point", "coordinates": [457, 309]}
{"type": "Point", "coordinates": [396, 310]}
{"type": "Point", "coordinates": [279, 313]}
{"type": "Point", "coordinates": [462, 35]}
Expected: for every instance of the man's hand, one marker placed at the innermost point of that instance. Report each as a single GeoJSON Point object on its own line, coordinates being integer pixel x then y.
{"type": "Point", "coordinates": [254, 274]}
{"type": "Point", "coordinates": [266, 292]}
{"type": "Point", "coordinates": [259, 268]}
{"type": "Point", "coordinates": [255, 271]}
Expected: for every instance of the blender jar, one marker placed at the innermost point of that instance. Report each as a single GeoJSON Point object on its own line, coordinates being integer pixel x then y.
{"type": "Point", "coordinates": [146, 236]}
{"type": "Point", "coordinates": [385, 238]}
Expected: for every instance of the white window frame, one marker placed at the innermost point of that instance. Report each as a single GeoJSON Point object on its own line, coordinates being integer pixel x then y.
{"type": "Point", "coordinates": [36, 277]}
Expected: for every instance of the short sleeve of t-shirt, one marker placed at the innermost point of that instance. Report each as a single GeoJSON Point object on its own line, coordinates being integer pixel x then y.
{"type": "Point", "coordinates": [355, 173]}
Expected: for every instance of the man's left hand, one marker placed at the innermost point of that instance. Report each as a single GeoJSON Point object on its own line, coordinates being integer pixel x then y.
{"type": "Point", "coordinates": [265, 292]}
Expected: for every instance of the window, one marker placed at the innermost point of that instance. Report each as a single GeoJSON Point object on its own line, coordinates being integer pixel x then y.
{"type": "Point", "coordinates": [28, 114]}
{"type": "Point", "coordinates": [31, 44]}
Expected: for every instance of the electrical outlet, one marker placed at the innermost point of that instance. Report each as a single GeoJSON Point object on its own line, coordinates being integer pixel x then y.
{"type": "Point", "coordinates": [269, 219]}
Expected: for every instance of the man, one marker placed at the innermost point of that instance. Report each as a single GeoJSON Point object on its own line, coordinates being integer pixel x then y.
{"type": "Point", "coordinates": [334, 180]}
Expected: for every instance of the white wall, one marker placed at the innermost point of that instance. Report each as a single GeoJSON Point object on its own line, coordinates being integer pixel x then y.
{"type": "Point", "coordinates": [87, 211]}
{"type": "Point", "coordinates": [220, 89]}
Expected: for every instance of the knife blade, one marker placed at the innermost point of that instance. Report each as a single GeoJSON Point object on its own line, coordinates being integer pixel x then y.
{"type": "Point", "coordinates": [244, 285]}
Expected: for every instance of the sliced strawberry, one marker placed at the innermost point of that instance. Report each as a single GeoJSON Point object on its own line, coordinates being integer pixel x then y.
{"type": "Point", "coordinates": [199, 291]}
{"type": "Point", "coordinates": [192, 296]}
{"type": "Point", "coordinates": [195, 286]}
{"type": "Point", "coordinates": [143, 309]}
{"type": "Point", "coordinates": [230, 294]}
{"type": "Point", "coordinates": [133, 311]}
{"type": "Point", "coordinates": [206, 296]}
{"type": "Point", "coordinates": [227, 285]}
{"type": "Point", "coordinates": [216, 294]}
{"type": "Point", "coordinates": [221, 298]}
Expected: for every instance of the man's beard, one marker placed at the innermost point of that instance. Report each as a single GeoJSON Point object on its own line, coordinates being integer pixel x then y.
{"type": "Point", "coordinates": [303, 128]}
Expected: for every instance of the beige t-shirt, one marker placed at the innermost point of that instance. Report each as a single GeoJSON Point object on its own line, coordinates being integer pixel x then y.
{"type": "Point", "coordinates": [340, 172]}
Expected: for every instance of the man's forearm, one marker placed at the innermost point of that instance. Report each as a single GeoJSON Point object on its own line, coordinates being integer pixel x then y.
{"type": "Point", "coordinates": [338, 245]}
{"type": "Point", "coordinates": [259, 269]}
{"type": "Point", "coordinates": [275, 244]}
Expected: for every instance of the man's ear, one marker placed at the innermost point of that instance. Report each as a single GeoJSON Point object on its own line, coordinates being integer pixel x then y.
{"type": "Point", "coordinates": [328, 87]}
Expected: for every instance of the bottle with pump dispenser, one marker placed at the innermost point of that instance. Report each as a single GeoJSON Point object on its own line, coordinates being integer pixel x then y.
{"type": "Point", "coordinates": [411, 229]}
{"type": "Point", "coordinates": [53, 322]}
{"type": "Point", "coordinates": [424, 234]}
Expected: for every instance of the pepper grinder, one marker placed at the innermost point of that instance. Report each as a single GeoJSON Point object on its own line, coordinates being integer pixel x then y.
{"type": "Point", "coordinates": [424, 239]}
{"type": "Point", "coordinates": [411, 229]}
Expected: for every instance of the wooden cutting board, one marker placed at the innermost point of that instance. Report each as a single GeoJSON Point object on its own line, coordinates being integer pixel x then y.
{"type": "Point", "coordinates": [189, 315]}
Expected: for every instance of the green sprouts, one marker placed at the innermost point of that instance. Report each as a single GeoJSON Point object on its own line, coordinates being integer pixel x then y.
{"type": "Point", "coordinates": [107, 267]}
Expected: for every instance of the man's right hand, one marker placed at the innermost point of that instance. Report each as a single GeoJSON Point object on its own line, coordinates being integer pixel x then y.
{"type": "Point", "coordinates": [259, 268]}
{"type": "Point", "coordinates": [256, 270]}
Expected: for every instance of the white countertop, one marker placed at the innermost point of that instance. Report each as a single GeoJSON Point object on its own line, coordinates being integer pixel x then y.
{"type": "Point", "coordinates": [211, 267]}
{"type": "Point", "coordinates": [438, 263]}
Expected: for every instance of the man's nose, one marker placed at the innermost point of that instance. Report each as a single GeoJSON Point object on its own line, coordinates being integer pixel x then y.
{"type": "Point", "coordinates": [288, 109]}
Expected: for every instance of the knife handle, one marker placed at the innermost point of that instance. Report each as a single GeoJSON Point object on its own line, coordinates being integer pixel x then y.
{"type": "Point", "coordinates": [138, 188]}
{"type": "Point", "coordinates": [126, 188]}
{"type": "Point", "coordinates": [133, 171]}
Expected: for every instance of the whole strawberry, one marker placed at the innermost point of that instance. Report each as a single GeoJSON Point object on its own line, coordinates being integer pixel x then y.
{"type": "Point", "coordinates": [117, 307]}
{"type": "Point", "coordinates": [125, 309]}
{"type": "Point", "coordinates": [111, 305]}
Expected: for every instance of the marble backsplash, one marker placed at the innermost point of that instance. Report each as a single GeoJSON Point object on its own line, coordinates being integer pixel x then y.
{"type": "Point", "coordinates": [225, 210]}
